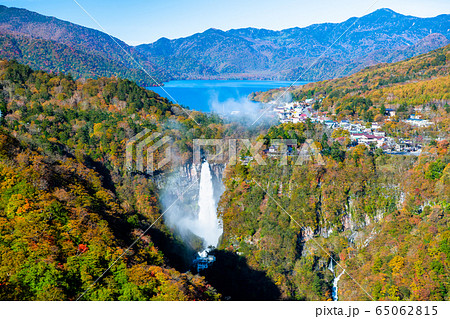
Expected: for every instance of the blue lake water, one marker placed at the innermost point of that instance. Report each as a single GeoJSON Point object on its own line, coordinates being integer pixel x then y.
{"type": "Point", "coordinates": [221, 96]}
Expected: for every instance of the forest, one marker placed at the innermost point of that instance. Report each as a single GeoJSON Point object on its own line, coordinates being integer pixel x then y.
{"type": "Point", "coordinates": [69, 206]}
{"type": "Point", "coordinates": [384, 219]}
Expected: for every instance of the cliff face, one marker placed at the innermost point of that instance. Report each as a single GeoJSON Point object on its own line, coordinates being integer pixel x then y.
{"type": "Point", "coordinates": [217, 175]}
{"type": "Point", "coordinates": [352, 224]}
{"type": "Point", "coordinates": [188, 176]}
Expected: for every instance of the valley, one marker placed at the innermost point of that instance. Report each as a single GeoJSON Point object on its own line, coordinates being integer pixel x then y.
{"type": "Point", "coordinates": [109, 190]}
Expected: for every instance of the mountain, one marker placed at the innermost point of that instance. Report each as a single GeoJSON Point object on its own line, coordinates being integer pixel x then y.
{"type": "Point", "coordinates": [433, 40]}
{"type": "Point", "coordinates": [382, 36]}
{"type": "Point", "coordinates": [54, 45]}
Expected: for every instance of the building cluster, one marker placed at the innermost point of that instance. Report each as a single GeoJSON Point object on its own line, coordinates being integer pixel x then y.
{"type": "Point", "coordinates": [297, 112]}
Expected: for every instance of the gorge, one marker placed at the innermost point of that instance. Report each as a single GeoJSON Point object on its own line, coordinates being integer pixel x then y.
{"type": "Point", "coordinates": [193, 217]}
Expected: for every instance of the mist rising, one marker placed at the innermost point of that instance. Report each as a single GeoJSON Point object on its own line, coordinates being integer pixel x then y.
{"type": "Point", "coordinates": [194, 216]}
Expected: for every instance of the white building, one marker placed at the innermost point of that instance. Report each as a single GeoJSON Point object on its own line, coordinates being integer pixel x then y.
{"type": "Point", "coordinates": [418, 122]}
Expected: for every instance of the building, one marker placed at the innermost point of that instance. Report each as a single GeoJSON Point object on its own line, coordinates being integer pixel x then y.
{"type": "Point", "coordinates": [204, 261]}
{"type": "Point", "coordinates": [376, 126]}
{"type": "Point", "coordinates": [390, 112]}
{"type": "Point", "coordinates": [415, 121]}
{"type": "Point", "coordinates": [379, 133]}
{"type": "Point", "coordinates": [368, 139]}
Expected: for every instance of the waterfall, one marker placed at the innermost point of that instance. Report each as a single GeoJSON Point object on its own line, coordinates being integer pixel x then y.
{"type": "Point", "coordinates": [331, 266]}
{"type": "Point", "coordinates": [334, 292]}
{"type": "Point", "coordinates": [207, 225]}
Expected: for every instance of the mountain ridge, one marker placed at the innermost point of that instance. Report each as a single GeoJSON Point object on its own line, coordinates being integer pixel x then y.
{"type": "Point", "coordinates": [244, 53]}
{"type": "Point", "coordinates": [288, 53]}
{"type": "Point", "coordinates": [95, 44]}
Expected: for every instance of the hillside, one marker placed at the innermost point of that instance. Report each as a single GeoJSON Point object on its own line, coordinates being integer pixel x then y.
{"type": "Point", "coordinates": [51, 44]}
{"type": "Point", "coordinates": [382, 218]}
{"type": "Point", "coordinates": [418, 81]}
{"type": "Point", "coordinates": [68, 208]}
{"type": "Point", "coordinates": [382, 36]}
{"type": "Point", "coordinates": [63, 58]}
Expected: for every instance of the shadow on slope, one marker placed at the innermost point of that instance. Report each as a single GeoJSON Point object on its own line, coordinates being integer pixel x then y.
{"type": "Point", "coordinates": [235, 280]}
{"type": "Point", "coordinates": [178, 255]}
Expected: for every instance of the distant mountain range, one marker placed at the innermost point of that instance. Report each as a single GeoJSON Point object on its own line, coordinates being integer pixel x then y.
{"type": "Point", "coordinates": [382, 36]}
{"type": "Point", "coordinates": [55, 45]}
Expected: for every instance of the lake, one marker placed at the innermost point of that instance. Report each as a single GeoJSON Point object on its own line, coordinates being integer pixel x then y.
{"type": "Point", "coordinates": [220, 96]}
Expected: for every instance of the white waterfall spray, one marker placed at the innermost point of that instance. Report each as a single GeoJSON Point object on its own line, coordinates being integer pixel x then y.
{"type": "Point", "coordinates": [334, 292]}
{"type": "Point", "coordinates": [334, 289]}
{"type": "Point", "coordinates": [207, 225]}
{"type": "Point", "coordinates": [182, 215]}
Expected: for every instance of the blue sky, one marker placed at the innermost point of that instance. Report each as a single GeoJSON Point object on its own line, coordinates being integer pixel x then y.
{"type": "Point", "coordinates": [140, 21]}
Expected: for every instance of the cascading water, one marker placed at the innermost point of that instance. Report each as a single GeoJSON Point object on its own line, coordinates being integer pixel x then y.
{"type": "Point", "coordinates": [207, 225]}
{"type": "Point", "coordinates": [331, 266]}
{"type": "Point", "coordinates": [334, 292]}
{"type": "Point", "coordinates": [186, 221]}
{"type": "Point", "coordinates": [334, 289]}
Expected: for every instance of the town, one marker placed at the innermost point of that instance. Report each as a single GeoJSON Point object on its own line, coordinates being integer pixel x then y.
{"type": "Point", "coordinates": [369, 134]}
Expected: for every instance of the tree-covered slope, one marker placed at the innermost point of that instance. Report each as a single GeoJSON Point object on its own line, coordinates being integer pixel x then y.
{"type": "Point", "coordinates": [68, 208]}
{"type": "Point", "coordinates": [407, 256]}
{"type": "Point", "coordinates": [60, 229]}
{"type": "Point", "coordinates": [383, 218]}
{"type": "Point", "coordinates": [51, 56]}
{"type": "Point", "coordinates": [51, 44]}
